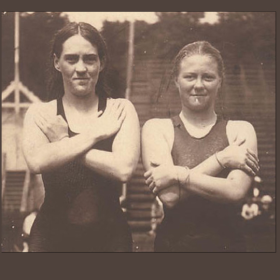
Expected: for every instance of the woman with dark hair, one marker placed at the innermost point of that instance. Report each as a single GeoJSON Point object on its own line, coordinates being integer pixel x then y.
{"type": "Point", "coordinates": [91, 34]}
{"type": "Point", "coordinates": [200, 165]}
{"type": "Point", "coordinates": [84, 144]}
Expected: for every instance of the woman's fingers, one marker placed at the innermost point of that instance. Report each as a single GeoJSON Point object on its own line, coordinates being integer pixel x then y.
{"type": "Point", "coordinates": [151, 186]}
{"type": "Point", "coordinates": [154, 163]}
{"type": "Point", "coordinates": [61, 121]}
{"type": "Point", "coordinates": [122, 118]}
{"type": "Point", "coordinates": [120, 113]}
{"type": "Point", "coordinates": [149, 181]}
{"type": "Point", "coordinates": [252, 154]}
{"type": "Point", "coordinates": [252, 166]}
{"type": "Point", "coordinates": [43, 114]}
{"type": "Point", "coordinates": [121, 110]}
{"type": "Point", "coordinates": [155, 191]}
{"type": "Point", "coordinates": [117, 109]}
{"type": "Point", "coordinates": [114, 109]}
{"type": "Point", "coordinates": [239, 141]}
{"type": "Point", "coordinates": [248, 170]}
{"type": "Point", "coordinates": [253, 162]}
{"type": "Point", "coordinates": [40, 122]}
{"type": "Point", "coordinates": [148, 174]}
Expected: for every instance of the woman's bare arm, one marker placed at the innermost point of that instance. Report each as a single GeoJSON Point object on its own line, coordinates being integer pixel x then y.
{"type": "Point", "coordinates": [156, 152]}
{"type": "Point", "coordinates": [122, 161]}
{"type": "Point", "coordinates": [235, 187]}
{"type": "Point", "coordinates": [160, 149]}
{"type": "Point", "coordinates": [40, 154]}
{"type": "Point", "coordinates": [43, 155]}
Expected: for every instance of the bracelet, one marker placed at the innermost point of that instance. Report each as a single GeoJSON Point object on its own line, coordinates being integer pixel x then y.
{"type": "Point", "coordinates": [219, 161]}
{"type": "Point", "coordinates": [186, 181]}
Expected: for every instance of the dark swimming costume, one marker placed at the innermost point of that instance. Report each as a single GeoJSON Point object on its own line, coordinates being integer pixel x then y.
{"type": "Point", "coordinates": [198, 224]}
{"type": "Point", "coordinates": [81, 210]}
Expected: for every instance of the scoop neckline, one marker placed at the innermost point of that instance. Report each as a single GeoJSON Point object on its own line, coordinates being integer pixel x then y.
{"type": "Point", "coordinates": [101, 105]}
{"type": "Point", "coordinates": [202, 137]}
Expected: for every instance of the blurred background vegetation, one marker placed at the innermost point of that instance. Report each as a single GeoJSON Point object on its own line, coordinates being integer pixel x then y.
{"type": "Point", "coordinates": [238, 35]}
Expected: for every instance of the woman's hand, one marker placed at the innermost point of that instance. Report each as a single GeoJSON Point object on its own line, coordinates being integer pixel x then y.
{"type": "Point", "coordinates": [111, 121]}
{"type": "Point", "coordinates": [237, 156]}
{"type": "Point", "coordinates": [54, 127]}
{"type": "Point", "coordinates": [161, 177]}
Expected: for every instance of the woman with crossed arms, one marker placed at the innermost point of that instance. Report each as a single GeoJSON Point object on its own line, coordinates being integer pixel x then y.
{"type": "Point", "coordinates": [200, 165]}
{"type": "Point", "coordinates": [84, 144]}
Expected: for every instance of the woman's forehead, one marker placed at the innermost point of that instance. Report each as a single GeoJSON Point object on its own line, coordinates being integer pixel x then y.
{"type": "Point", "coordinates": [78, 44]}
{"type": "Point", "coordinates": [199, 62]}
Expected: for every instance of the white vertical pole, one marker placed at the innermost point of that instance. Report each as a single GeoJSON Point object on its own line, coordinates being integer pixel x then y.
{"type": "Point", "coordinates": [17, 81]}
{"type": "Point", "coordinates": [3, 175]}
{"type": "Point", "coordinates": [16, 58]}
{"type": "Point", "coordinates": [130, 59]}
{"type": "Point", "coordinates": [128, 79]}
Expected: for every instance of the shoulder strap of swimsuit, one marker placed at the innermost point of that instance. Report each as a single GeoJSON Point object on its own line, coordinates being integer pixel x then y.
{"type": "Point", "coordinates": [102, 103]}
{"type": "Point", "coordinates": [60, 109]}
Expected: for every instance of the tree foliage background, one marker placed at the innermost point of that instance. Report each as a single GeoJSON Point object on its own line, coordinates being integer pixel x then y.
{"type": "Point", "coordinates": [240, 36]}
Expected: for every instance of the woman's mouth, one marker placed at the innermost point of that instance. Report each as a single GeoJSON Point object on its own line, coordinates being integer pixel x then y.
{"type": "Point", "coordinates": [198, 94]}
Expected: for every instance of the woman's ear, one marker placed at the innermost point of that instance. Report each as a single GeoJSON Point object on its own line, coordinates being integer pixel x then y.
{"type": "Point", "coordinates": [56, 62]}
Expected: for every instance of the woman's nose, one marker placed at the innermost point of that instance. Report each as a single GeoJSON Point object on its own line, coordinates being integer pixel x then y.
{"type": "Point", "coordinates": [80, 67]}
{"type": "Point", "coordinates": [198, 83]}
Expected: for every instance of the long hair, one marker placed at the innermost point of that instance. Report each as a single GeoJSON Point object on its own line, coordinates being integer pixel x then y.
{"type": "Point", "coordinates": [91, 34]}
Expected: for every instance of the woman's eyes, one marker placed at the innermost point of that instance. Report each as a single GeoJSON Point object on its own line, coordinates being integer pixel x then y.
{"type": "Point", "coordinates": [72, 59]}
{"type": "Point", "coordinates": [86, 59]}
{"type": "Point", "coordinates": [90, 59]}
{"type": "Point", "coordinates": [189, 77]}
{"type": "Point", "coordinates": [209, 78]}
{"type": "Point", "coordinates": [193, 77]}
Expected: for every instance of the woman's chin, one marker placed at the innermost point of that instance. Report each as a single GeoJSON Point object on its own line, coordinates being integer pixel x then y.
{"type": "Point", "coordinates": [198, 107]}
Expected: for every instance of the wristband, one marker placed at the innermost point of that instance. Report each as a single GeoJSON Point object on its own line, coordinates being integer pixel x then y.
{"type": "Point", "coordinates": [219, 161]}
{"type": "Point", "coordinates": [186, 180]}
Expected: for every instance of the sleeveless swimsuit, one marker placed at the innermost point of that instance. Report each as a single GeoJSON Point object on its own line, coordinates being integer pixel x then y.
{"type": "Point", "coordinates": [197, 224]}
{"type": "Point", "coordinates": [81, 210]}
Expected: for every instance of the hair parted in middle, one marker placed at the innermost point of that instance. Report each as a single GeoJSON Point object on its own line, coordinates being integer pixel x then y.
{"type": "Point", "coordinates": [91, 34]}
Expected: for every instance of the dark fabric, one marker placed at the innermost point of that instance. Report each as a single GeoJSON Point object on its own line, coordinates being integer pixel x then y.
{"type": "Point", "coordinates": [198, 224]}
{"type": "Point", "coordinates": [81, 210]}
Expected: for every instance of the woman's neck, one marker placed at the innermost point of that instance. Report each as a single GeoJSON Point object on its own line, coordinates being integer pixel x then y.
{"type": "Point", "coordinates": [81, 113]}
{"type": "Point", "coordinates": [81, 104]}
{"type": "Point", "coordinates": [199, 119]}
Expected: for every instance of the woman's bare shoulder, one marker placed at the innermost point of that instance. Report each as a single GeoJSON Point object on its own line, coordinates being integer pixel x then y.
{"type": "Point", "coordinates": [128, 104]}
{"type": "Point", "coordinates": [239, 125]}
{"type": "Point", "coordinates": [49, 108]}
{"type": "Point", "coordinates": [158, 124]}
{"type": "Point", "coordinates": [240, 130]}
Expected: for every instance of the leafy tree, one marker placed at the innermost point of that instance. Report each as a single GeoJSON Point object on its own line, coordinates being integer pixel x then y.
{"type": "Point", "coordinates": [249, 33]}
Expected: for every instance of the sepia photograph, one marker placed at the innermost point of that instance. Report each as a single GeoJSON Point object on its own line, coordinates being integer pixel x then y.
{"type": "Point", "coordinates": [138, 132]}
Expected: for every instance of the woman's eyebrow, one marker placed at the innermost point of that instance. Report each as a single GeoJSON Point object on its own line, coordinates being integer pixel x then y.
{"type": "Point", "coordinates": [92, 55]}
{"type": "Point", "coordinates": [70, 55]}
